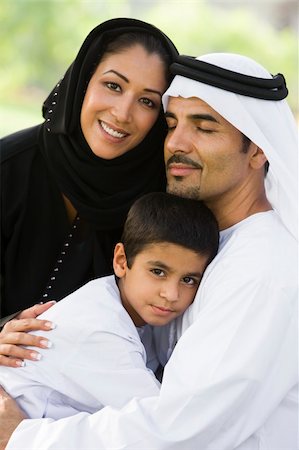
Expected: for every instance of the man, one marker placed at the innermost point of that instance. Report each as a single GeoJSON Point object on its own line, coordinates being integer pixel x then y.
{"type": "Point", "coordinates": [231, 382]}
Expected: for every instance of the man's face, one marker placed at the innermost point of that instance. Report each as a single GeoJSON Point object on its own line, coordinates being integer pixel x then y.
{"type": "Point", "coordinates": [204, 154]}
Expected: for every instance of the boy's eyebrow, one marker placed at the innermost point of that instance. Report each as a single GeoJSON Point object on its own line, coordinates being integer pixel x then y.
{"type": "Point", "coordinates": [123, 77]}
{"type": "Point", "coordinates": [162, 265]}
{"type": "Point", "coordinates": [208, 117]}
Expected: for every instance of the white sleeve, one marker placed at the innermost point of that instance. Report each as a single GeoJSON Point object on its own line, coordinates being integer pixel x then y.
{"type": "Point", "coordinates": [108, 369]}
{"type": "Point", "coordinates": [227, 374]}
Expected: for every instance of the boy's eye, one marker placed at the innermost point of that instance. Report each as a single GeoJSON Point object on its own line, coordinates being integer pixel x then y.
{"type": "Point", "coordinates": [147, 102]}
{"type": "Point", "coordinates": [113, 86]}
{"type": "Point", "coordinates": [190, 281]}
{"type": "Point", "coordinates": [158, 272]}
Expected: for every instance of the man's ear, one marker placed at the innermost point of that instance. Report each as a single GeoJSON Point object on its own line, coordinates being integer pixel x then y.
{"type": "Point", "coordinates": [119, 260]}
{"type": "Point", "coordinates": [258, 157]}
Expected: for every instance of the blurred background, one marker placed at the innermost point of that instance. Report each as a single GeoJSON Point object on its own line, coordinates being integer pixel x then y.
{"type": "Point", "coordinates": [40, 38]}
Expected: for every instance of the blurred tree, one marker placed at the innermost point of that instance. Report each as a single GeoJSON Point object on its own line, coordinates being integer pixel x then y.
{"type": "Point", "coordinates": [40, 38]}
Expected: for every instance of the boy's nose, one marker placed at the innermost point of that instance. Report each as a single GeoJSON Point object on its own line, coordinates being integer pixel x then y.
{"type": "Point", "coordinates": [170, 291]}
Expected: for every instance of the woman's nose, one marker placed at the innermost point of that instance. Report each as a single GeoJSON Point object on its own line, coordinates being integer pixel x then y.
{"type": "Point", "coordinates": [123, 110]}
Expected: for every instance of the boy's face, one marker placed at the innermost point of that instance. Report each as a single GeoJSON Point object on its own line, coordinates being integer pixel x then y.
{"type": "Point", "coordinates": [161, 283]}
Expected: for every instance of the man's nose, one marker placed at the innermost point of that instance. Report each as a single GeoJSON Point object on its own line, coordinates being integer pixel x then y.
{"type": "Point", "coordinates": [177, 141]}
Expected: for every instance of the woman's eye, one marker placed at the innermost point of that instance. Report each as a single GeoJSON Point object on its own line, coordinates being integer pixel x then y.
{"type": "Point", "coordinates": [158, 272]}
{"type": "Point", "coordinates": [148, 102]}
{"type": "Point", "coordinates": [113, 86]}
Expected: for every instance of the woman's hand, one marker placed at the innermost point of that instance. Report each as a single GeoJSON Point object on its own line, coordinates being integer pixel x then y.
{"type": "Point", "coordinates": [10, 417]}
{"type": "Point", "coordinates": [15, 334]}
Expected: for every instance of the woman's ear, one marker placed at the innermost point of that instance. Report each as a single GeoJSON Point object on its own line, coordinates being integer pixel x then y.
{"type": "Point", "coordinates": [258, 158]}
{"type": "Point", "coordinates": [119, 260]}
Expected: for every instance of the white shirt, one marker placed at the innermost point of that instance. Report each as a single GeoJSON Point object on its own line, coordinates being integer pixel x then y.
{"type": "Point", "coordinates": [97, 358]}
{"type": "Point", "coordinates": [231, 382]}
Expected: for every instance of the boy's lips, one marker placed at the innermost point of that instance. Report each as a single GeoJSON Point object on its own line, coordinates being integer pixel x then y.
{"type": "Point", "coordinates": [160, 310]}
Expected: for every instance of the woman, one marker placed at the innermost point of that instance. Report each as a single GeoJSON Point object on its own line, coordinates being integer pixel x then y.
{"type": "Point", "coordinates": [68, 183]}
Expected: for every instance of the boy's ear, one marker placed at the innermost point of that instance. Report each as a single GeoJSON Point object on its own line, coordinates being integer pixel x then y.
{"type": "Point", "coordinates": [119, 260]}
{"type": "Point", "coordinates": [258, 158]}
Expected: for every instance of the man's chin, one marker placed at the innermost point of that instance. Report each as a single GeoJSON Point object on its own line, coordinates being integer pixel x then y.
{"type": "Point", "coordinates": [180, 190]}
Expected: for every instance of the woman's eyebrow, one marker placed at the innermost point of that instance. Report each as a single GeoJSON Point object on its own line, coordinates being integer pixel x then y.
{"type": "Point", "coordinates": [118, 74]}
{"type": "Point", "coordinates": [154, 91]}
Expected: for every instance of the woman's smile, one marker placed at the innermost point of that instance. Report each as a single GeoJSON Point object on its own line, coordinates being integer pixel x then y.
{"type": "Point", "coordinates": [112, 131]}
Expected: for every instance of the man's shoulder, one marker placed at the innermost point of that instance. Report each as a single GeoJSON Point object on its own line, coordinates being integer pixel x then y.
{"type": "Point", "coordinates": [260, 244]}
{"type": "Point", "coordinates": [257, 232]}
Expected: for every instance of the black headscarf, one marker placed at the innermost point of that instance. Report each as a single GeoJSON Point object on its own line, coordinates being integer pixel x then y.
{"type": "Point", "coordinates": [101, 190]}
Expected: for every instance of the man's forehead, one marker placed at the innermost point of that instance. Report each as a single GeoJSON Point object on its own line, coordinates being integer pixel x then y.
{"type": "Point", "coordinates": [189, 106]}
{"type": "Point", "coordinates": [188, 103]}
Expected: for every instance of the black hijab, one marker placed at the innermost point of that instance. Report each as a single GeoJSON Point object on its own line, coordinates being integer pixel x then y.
{"type": "Point", "coordinates": [101, 190]}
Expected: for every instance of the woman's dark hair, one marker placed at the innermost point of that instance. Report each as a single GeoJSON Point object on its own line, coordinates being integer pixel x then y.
{"type": "Point", "coordinates": [161, 217]}
{"type": "Point", "coordinates": [148, 41]}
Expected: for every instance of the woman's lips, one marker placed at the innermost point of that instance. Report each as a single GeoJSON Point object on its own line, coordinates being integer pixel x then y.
{"type": "Point", "coordinates": [111, 131]}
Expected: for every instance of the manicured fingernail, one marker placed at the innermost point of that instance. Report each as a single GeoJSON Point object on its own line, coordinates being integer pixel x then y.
{"type": "Point", "coordinates": [50, 325]}
{"type": "Point", "coordinates": [20, 363]}
{"type": "Point", "coordinates": [35, 355]}
{"type": "Point", "coordinates": [45, 343]}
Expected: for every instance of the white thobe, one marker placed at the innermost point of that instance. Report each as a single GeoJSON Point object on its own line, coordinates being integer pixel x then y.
{"type": "Point", "coordinates": [232, 378]}
{"type": "Point", "coordinates": [97, 358]}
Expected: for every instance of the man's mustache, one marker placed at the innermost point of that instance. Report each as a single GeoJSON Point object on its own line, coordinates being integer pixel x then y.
{"type": "Point", "coordinates": [175, 159]}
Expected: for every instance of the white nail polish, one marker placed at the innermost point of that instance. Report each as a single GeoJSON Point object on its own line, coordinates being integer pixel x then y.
{"type": "Point", "coordinates": [46, 344]}
{"type": "Point", "coordinates": [36, 356]}
{"type": "Point", "coordinates": [51, 325]}
{"type": "Point", "coordinates": [21, 363]}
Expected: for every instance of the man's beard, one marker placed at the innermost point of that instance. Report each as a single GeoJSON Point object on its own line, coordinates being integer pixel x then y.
{"type": "Point", "coordinates": [176, 187]}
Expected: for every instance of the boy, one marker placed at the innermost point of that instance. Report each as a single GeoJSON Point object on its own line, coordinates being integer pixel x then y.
{"type": "Point", "coordinates": [98, 358]}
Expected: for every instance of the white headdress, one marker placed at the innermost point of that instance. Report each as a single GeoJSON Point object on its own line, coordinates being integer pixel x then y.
{"type": "Point", "coordinates": [268, 123]}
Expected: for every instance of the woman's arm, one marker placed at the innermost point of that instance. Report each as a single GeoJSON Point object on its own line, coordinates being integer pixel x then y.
{"type": "Point", "coordinates": [14, 336]}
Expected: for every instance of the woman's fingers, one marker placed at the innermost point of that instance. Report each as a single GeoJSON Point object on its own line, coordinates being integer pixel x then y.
{"type": "Point", "coordinates": [14, 337]}
{"type": "Point", "coordinates": [35, 310]}
{"type": "Point", "coordinates": [24, 325]}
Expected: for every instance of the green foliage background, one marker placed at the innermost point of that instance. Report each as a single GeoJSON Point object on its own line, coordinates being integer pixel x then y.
{"type": "Point", "coordinates": [40, 38]}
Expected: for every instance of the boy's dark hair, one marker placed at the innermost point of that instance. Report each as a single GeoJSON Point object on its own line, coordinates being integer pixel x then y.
{"type": "Point", "coordinates": [161, 217]}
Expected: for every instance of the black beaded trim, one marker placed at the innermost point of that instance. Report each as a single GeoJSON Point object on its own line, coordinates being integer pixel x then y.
{"type": "Point", "coordinates": [60, 260]}
{"type": "Point", "coordinates": [50, 111]}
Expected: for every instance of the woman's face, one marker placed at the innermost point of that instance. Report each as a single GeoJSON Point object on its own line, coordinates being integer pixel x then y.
{"type": "Point", "coordinates": [122, 101]}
